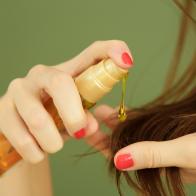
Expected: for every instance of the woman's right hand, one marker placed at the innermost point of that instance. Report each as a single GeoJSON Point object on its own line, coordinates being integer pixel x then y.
{"type": "Point", "coordinates": [23, 118]}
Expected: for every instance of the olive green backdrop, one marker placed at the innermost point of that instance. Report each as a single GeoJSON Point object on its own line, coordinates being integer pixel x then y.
{"type": "Point", "coordinates": [49, 32]}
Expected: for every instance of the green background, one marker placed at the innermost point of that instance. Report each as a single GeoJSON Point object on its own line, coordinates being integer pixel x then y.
{"type": "Point", "coordinates": [50, 32]}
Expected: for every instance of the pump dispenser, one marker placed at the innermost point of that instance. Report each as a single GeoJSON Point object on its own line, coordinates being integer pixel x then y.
{"type": "Point", "coordinates": [98, 80]}
{"type": "Point", "coordinates": [92, 85]}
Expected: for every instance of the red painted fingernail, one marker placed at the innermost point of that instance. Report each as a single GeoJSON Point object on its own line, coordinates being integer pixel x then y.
{"type": "Point", "coordinates": [124, 161]}
{"type": "Point", "coordinates": [80, 134]}
{"type": "Point", "coordinates": [127, 59]}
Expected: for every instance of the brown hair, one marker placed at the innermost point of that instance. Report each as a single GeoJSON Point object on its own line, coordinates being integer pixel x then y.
{"type": "Point", "coordinates": [171, 115]}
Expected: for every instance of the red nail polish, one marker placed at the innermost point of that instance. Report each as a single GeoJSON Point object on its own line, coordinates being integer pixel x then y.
{"type": "Point", "coordinates": [80, 134]}
{"type": "Point", "coordinates": [127, 59]}
{"type": "Point", "coordinates": [124, 161]}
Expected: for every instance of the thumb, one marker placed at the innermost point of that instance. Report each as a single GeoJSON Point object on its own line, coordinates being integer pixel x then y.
{"type": "Point", "coordinates": [152, 154]}
{"type": "Point", "coordinates": [117, 50]}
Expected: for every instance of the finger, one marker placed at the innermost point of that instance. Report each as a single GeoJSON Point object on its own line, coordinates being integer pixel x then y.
{"type": "Point", "coordinates": [107, 115]}
{"type": "Point", "coordinates": [92, 124]}
{"type": "Point", "coordinates": [66, 98]}
{"type": "Point", "coordinates": [17, 134]}
{"type": "Point", "coordinates": [96, 138]}
{"type": "Point", "coordinates": [39, 122]}
{"type": "Point", "coordinates": [99, 141]}
{"type": "Point", "coordinates": [150, 154]}
{"type": "Point", "coordinates": [117, 50]}
{"type": "Point", "coordinates": [91, 128]}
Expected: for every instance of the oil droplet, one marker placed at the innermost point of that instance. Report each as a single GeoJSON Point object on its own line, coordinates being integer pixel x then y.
{"type": "Point", "coordinates": [122, 114]}
{"type": "Point", "coordinates": [122, 111]}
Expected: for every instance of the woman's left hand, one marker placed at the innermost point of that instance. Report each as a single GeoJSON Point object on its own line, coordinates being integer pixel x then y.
{"type": "Point", "coordinates": [179, 152]}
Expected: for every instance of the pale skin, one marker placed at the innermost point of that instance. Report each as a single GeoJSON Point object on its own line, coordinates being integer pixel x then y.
{"type": "Point", "coordinates": [33, 133]}
{"type": "Point", "coordinates": [31, 130]}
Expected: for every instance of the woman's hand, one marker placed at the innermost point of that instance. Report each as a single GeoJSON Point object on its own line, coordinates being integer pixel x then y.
{"type": "Point", "coordinates": [179, 152]}
{"type": "Point", "coordinates": [24, 120]}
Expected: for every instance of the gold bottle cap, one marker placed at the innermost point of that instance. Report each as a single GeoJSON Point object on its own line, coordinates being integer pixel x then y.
{"type": "Point", "coordinates": [98, 80]}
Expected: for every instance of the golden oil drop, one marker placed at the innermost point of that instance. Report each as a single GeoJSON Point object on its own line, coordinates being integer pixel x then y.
{"type": "Point", "coordinates": [122, 110]}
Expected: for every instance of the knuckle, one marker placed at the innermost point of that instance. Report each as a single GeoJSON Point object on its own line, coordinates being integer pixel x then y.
{"type": "Point", "coordinates": [58, 79]}
{"type": "Point", "coordinates": [37, 69]}
{"type": "Point", "coordinates": [15, 84]}
{"type": "Point", "coordinates": [24, 143]}
{"type": "Point", "coordinates": [96, 43]}
{"type": "Point", "coordinates": [37, 160]}
{"type": "Point", "coordinates": [76, 120]}
{"type": "Point", "coordinates": [118, 43]}
{"type": "Point", "coordinates": [153, 157]}
{"type": "Point", "coordinates": [110, 43]}
{"type": "Point", "coordinates": [37, 120]}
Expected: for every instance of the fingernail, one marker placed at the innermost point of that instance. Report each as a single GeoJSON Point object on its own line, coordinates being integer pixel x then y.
{"type": "Point", "coordinates": [127, 59]}
{"type": "Point", "coordinates": [80, 134]}
{"type": "Point", "coordinates": [124, 161]}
